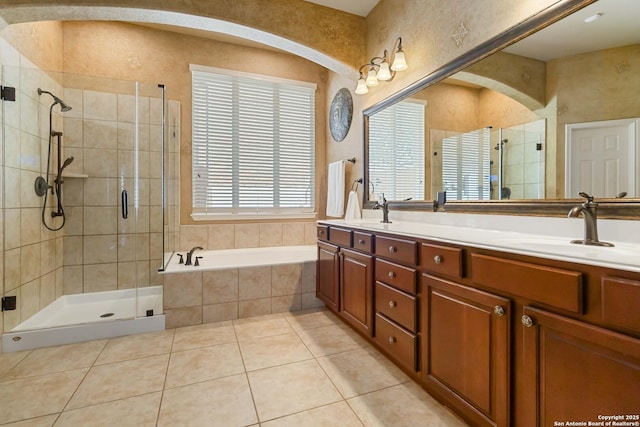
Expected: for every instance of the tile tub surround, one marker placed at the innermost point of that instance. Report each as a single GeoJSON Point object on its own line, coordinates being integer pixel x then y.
{"type": "Point", "coordinates": [276, 370]}
{"type": "Point", "coordinates": [196, 297]}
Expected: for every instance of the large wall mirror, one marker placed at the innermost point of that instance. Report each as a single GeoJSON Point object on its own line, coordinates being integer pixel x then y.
{"type": "Point", "coordinates": [520, 127]}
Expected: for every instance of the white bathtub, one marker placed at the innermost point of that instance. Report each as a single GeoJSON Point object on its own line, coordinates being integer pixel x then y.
{"type": "Point", "coordinates": [83, 317]}
{"type": "Point", "coordinates": [225, 259]}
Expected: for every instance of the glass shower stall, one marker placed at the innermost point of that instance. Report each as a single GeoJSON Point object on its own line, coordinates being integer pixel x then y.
{"type": "Point", "coordinates": [89, 206]}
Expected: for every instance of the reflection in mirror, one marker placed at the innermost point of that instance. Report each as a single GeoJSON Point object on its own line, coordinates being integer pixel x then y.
{"type": "Point", "coordinates": [396, 152]}
{"type": "Point", "coordinates": [554, 114]}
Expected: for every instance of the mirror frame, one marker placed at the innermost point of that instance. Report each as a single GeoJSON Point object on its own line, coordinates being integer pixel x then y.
{"type": "Point", "coordinates": [608, 208]}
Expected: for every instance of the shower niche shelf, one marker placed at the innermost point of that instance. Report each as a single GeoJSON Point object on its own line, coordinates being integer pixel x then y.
{"type": "Point", "coordinates": [75, 175]}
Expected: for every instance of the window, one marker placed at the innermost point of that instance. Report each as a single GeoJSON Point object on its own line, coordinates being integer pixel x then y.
{"type": "Point", "coordinates": [465, 166]}
{"type": "Point", "coordinates": [253, 146]}
{"type": "Point", "coordinates": [396, 151]}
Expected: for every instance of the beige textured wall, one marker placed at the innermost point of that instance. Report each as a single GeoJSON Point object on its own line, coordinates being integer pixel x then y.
{"type": "Point", "coordinates": [427, 28]}
{"type": "Point", "coordinates": [126, 51]}
{"type": "Point", "coordinates": [40, 42]}
{"type": "Point", "coordinates": [338, 34]}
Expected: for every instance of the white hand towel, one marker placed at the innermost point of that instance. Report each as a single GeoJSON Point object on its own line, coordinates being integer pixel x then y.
{"type": "Point", "coordinates": [353, 207]}
{"type": "Point", "coordinates": [335, 189]}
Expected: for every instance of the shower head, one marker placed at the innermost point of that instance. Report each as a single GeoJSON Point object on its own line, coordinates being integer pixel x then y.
{"type": "Point", "coordinates": [504, 141]}
{"type": "Point", "coordinates": [64, 107]}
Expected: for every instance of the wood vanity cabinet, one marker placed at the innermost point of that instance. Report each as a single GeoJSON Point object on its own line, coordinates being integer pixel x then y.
{"type": "Point", "coordinates": [396, 301]}
{"type": "Point", "coordinates": [356, 290]}
{"type": "Point", "coordinates": [466, 340]}
{"type": "Point", "coordinates": [467, 350]}
{"type": "Point", "coordinates": [344, 279]}
{"type": "Point", "coordinates": [502, 339]}
{"type": "Point", "coordinates": [576, 371]}
{"type": "Point", "coordinates": [328, 275]}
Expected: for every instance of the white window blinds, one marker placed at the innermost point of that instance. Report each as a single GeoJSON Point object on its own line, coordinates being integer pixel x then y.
{"type": "Point", "coordinates": [465, 166]}
{"type": "Point", "coordinates": [396, 151]}
{"type": "Point", "coordinates": [253, 147]}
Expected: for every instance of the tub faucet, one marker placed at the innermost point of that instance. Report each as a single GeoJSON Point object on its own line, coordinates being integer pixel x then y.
{"type": "Point", "coordinates": [588, 209]}
{"type": "Point", "coordinates": [190, 254]}
{"type": "Point", "coordinates": [385, 209]}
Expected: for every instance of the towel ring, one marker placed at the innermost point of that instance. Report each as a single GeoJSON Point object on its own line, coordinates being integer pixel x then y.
{"type": "Point", "coordinates": [356, 182]}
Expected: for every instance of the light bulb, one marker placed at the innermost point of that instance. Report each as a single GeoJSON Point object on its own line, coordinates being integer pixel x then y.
{"type": "Point", "coordinates": [399, 62]}
{"type": "Point", "coordinates": [372, 80]}
{"type": "Point", "coordinates": [384, 73]}
{"type": "Point", "coordinates": [362, 88]}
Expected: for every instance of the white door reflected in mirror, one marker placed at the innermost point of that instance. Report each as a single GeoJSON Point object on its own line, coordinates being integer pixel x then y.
{"type": "Point", "coordinates": [603, 158]}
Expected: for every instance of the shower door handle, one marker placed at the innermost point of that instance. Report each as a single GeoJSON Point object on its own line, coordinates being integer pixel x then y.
{"type": "Point", "coordinates": [125, 204]}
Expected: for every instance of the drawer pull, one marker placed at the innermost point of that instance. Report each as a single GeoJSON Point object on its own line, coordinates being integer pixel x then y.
{"type": "Point", "coordinates": [499, 311]}
{"type": "Point", "coordinates": [392, 340]}
{"type": "Point", "coordinates": [393, 249]}
{"type": "Point", "coordinates": [392, 304]}
{"type": "Point", "coordinates": [437, 259]}
{"type": "Point", "coordinates": [321, 232]}
{"type": "Point", "coordinates": [526, 321]}
{"type": "Point", "coordinates": [392, 274]}
{"type": "Point", "coordinates": [361, 241]}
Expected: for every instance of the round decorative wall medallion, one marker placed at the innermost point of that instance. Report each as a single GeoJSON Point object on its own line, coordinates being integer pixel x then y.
{"type": "Point", "coordinates": [340, 114]}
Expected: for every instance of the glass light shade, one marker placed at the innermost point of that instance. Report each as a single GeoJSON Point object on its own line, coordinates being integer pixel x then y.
{"type": "Point", "coordinates": [384, 73]}
{"type": "Point", "coordinates": [372, 80]}
{"type": "Point", "coordinates": [362, 88]}
{"type": "Point", "coordinates": [399, 62]}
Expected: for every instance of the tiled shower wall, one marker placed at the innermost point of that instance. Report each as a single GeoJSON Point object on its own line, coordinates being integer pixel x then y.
{"type": "Point", "coordinates": [102, 250]}
{"type": "Point", "coordinates": [32, 254]}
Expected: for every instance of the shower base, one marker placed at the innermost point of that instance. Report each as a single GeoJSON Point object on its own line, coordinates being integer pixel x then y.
{"type": "Point", "coordinates": [84, 317]}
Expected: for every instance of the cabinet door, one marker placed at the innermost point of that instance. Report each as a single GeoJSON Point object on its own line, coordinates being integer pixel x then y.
{"type": "Point", "coordinates": [576, 371]}
{"type": "Point", "coordinates": [467, 350]}
{"type": "Point", "coordinates": [356, 290]}
{"type": "Point", "coordinates": [328, 275]}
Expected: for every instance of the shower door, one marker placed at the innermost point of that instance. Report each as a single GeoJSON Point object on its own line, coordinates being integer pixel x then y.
{"type": "Point", "coordinates": [95, 247]}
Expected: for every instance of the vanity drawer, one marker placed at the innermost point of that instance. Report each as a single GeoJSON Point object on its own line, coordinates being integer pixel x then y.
{"type": "Point", "coordinates": [401, 345]}
{"type": "Point", "coordinates": [363, 241]}
{"type": "Point", "coordinates": [322, 232]}
{"type": "Point", "coordinates": [340, 236]}
{"type": "Point", "coordinates": [405, 251]}
{"type": "Point", "coordinates": [403, 278]}
{"type": "Point", "coordinates": [620, 301]}
{"type": "Point", "coordinates": [441, 259]}
{"type": "Point", "coordinates": [552, 286]}
{"type": "Point", "coordinates": [396, 305]}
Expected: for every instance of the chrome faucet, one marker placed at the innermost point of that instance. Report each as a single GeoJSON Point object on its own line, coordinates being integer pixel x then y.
{"type": "Point", "coordinates": [588, 209]}
{"type": "Point", "coordinates": [190, 254]}
{"type": "Point", "coordinates": [385, 209]}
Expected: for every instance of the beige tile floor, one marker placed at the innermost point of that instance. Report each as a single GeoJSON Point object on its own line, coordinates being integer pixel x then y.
{"type": "Point", "coordinates": [290, 369]}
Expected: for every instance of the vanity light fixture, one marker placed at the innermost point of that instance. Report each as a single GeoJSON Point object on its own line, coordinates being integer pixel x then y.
{"type": "Point", "coordinates": [379, 68]}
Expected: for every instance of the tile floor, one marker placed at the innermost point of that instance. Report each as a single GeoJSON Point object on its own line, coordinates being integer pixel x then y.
{"type": "Point", "coordinates": [290, 369]}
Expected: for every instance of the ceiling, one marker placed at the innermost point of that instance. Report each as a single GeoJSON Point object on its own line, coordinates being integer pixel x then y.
{"type": "Point", "coordinates": [356, 7]}
{"type": "Point", "coordinates": [618, 26]}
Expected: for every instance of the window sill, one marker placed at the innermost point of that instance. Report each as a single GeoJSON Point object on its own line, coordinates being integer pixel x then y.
{"type": "Point", "coordinates": [250, 216]}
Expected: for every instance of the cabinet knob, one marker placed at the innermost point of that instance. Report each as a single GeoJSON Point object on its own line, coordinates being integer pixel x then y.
{"type": "Point", "coordinates": [392, 274]}
{"type": "Point", "coordinates": [437, 259]}
{"type": "Point", "coordinates": [392, 304]}
{"type": "Point", "coordinates": [392, 340]}
{"type": "Point", "coordinates": [499, 311]}
{"type": "Point", "coordinates": [527, 321]}
{"type": "Point", "coordinates": [361, 241]}
{"type": "Point", "coordinates": [393, 249]}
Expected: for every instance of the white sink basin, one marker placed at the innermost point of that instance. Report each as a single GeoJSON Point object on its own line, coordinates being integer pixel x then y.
{"type": "Point", "coordinates": [565, 247]}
